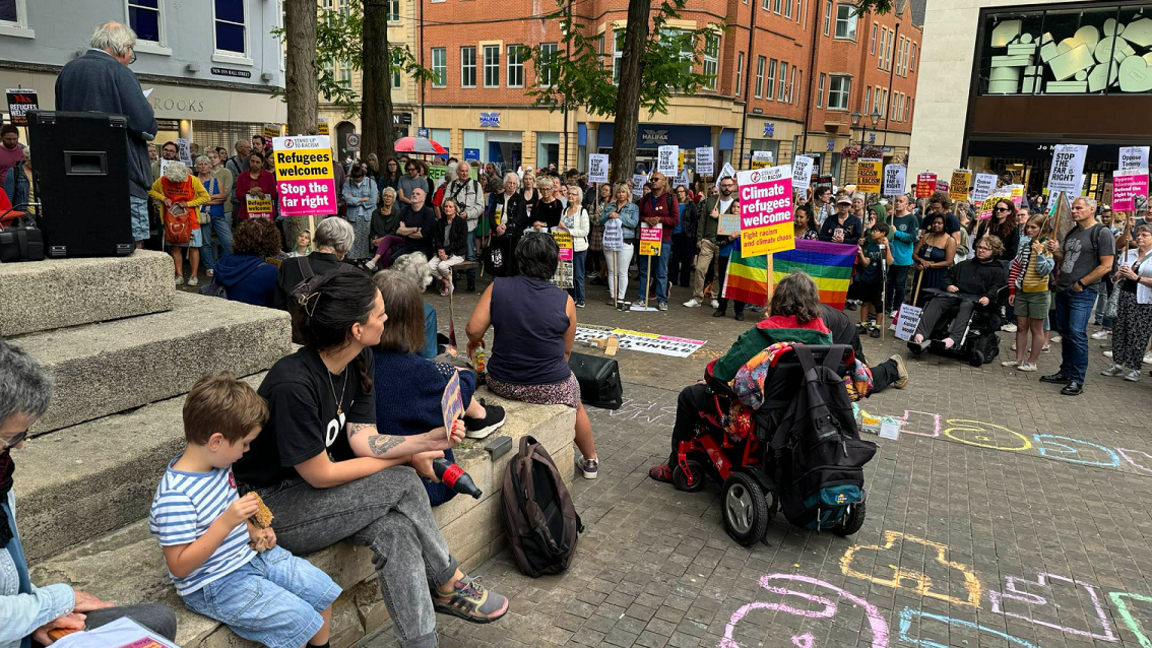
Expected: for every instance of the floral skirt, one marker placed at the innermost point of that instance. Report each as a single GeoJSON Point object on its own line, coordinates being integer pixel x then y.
{"type": "Point", "coordinates": [565, 392]}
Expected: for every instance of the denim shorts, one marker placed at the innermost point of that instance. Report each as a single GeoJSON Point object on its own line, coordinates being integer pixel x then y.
{"type": "Point", "coordinates": [139, 209]}
{"type": "Point", "coordinates": [276, 599]}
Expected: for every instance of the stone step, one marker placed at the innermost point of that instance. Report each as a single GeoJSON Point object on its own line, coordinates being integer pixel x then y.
{"type": "Point", "coordinates": [111, 367]}
{"type": "Point", "coordinates": [58, 293]}
{"type": "Point", "coordinates": [126, 566]}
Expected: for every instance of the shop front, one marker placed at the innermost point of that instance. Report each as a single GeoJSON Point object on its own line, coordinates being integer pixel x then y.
{"type": "Point", "coordinates": [599, 138]}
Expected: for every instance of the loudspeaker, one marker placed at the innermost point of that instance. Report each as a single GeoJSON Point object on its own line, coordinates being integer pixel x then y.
{"type": "Point", "coordinates": [80, 168]}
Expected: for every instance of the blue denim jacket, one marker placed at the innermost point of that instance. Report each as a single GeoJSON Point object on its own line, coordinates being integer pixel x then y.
{"type": "Point", "coordinates": [23, 609]}
{"type": "Point", "coordinates": [629, 218]}
{"type": "Point", "coordinates": [360, 211]}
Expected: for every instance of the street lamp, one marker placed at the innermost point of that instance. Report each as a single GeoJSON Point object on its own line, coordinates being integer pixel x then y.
{"type": "Point", "coordinates": [874, 118]}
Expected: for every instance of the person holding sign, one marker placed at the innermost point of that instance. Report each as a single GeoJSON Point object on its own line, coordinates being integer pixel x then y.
{"type": "Point", "coordinates": [575, 222]}
{"type": "Point", "coordinates": [659, 208]}
{"type": "Point", "coordinates": [255, 183]}
{"type": "Point", "coordinates": [627, 217]}
{"type": "Point", "coordinates": [1133, 323]}
{"type": "Point", "coordinates": [683, 241]}
{"type": "Point", "coordinates": [902, 235]}
{"type": "Point", "coordinates": [868, 286]}
{"type": "Point", "coordinates": [843, 226]}
{"type": "Point", "coordinates": [710, 238]}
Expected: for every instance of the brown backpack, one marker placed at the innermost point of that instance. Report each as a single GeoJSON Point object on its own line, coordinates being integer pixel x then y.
{"type": "Point", "coordinates": [539, 516]}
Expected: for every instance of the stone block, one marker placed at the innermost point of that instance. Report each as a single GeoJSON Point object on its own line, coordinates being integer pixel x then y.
{"type": "Point", "coordinates": [110, 367]}
{"type": "Point", "coordinates": [59, 293]}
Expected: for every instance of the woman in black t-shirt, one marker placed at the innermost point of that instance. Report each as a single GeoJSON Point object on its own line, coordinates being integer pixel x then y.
{"type": "Point", "coordinates": [329, 475]}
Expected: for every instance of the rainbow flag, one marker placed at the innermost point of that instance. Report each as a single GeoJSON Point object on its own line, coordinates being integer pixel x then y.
{"type": "Point", "coordinates": [746, 279]}
{"type": "Point", "coordinates": [830, 264]}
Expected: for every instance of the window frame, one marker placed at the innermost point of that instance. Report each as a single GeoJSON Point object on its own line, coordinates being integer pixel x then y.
{"type": "Point", "coordinates": [464, 66]}
{"type": "Point", "coordinates": [872, 40]}
{"type": "Point", "coordinates": [159, 47]}
{"type": "Point", "coordinates": [771, 94]}
{"type": "Point", "coordinates": [393, 73]}
{"type": "Point", "coordinates": [491, 67]}
{"type": "Point", "coordinates": [782, 88]}
{"type": "Point", "coordinates": [829, 7]}
{"type": "Point", "coordinates": [761, 63]}
{"type": "Point", "coordinates": [844, 92]}
{"type": "Point", "coordinates": [712, 59]}
{"type": "Point", "coordinates": [853, 16]}
{"type": "Point", "coordinates": [912, 59]}
{"type": "Point", "coordinates": [618, 36]}
{"type": "Point", "coordinates": [739, 73]}
{"type": "Point", "coordinates": [543, 75]}
{"type": "Point", "coordinates": [820, 91]}
{"type": "Point", "coordinates": [776, 7]}
{"type": "Point", "coordinates": [517, 66]}
{"type": "Point", "coordinates": [796, 74]}
{"type": "Point", "coordinates": [867, 100]}
{"type": "Point", "coordinates": [19, 27]}
{"type": "Point", "coordinates": [344, 75]}
{"type": "Point", "coordinates": [228, 56]}
{"type": "Point", "coordinates": [788, 9]}
{"type": "Point", "coordinates": [393, 16]}
{"type": "Point", "coordinates": [442, 73]}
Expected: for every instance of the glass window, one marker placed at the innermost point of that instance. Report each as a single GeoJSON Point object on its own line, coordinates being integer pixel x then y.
{"type": "Point", "coordinates": [760, 77]}
{"type": "Point", "coordinates": [787, 8]}
{"type": "Point", "coordinates": [396, 62]}
{"type": "Point", "coordinates": [345, 76]}
{"type": "Point", "coordinates": [547, 54]}
{"type": "Point", "coordinates": [711, 59]}
{"type": "Point", "coordinates": [782, 90]}
{"type": "Point", "coordinates": [912, 59]}
{"type": "Point", "coordinates": [872, 41]}
{"type": "Point", "coordinates": [739, 73]}
{"type": "Point", "coordinates": [10, 11]}
{"type": "Point", "coordinates": [797, 81]}
{"type": "Point", "coordinates": [393, 10]}
{"type": "Point", "coordinates": [827, 16]}
{"type": "Point", "coordinates": [838, 90]}
{"type": "Point", "coordinates": [468, 67]}
{"type": "Point", "coordinates": [515, 66]}
{"type": "Point", "coordinates": [776, 6]}
{"type": "Point", "coordinates": [846, 21]}
{"type": "Point", "coordinates": [867, 100]}
{"type": "Point", "coordinates": [439, 67]}
{"type": "Point", "coordinates": [820, 92]}
{"type": "Point", "coordinates": [766, 5]}
{"type": "Point", "coordinates": [883, 46]}
{"type": "Point", "coordinates": [891, 46]}
{"type": "Point", "coordinates": [771, 78]}
{"type": "Point", "coordinates": [876, 102]}
{"type": "Point", "coordinates": [143, 17]}
{"type": "Point", "coordinates": [491, 66]}
{"type": "Point", "coordinates": [617, 53]}
{"type": "Point", "coordinates": [230, 27]}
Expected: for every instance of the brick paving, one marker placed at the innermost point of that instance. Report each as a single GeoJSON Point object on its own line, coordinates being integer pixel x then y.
{"type": "Point", "coordinates": [1004, 515]}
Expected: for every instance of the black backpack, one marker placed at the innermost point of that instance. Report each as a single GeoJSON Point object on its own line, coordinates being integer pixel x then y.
{"type": "Point", "coordinates": [819, 455]}
{"type": "Point", "coordinates": [539, 516]}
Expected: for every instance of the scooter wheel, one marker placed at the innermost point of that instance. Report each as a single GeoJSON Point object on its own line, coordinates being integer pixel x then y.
{"type": "Point", "coordinates": [691, 481]}
{"type": "Point", "coordinates": [744, 505]}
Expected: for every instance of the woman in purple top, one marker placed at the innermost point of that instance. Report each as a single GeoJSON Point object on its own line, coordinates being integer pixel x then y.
{"type": "Point", "coordinates": [534, 327]}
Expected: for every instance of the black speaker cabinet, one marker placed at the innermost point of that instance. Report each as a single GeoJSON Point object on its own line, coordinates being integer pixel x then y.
{"type": "Point", "coordinates": [80, 167]}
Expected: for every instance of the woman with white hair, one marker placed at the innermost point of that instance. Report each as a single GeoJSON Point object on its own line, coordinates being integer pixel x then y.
{"type": "Point", "coordinates": [181, 193]}
{"type": "Point", "coordinates": [334, 237]}
{"type": "Point", "coordinates": [549, 209]}
{"type": "Point", "coordinates": [507, 217]}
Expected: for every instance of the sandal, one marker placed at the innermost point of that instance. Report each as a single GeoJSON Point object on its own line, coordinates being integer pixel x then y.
{"type": "Point", "coordinates": [661, 473]}
{"type": "Point", "coordinates": [471, 602]}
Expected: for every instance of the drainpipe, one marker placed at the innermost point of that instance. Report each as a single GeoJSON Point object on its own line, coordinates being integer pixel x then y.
{"type": "Point", "coordinates": [747, 85]}
{"type": "Point", "coordinates": [812, 73]}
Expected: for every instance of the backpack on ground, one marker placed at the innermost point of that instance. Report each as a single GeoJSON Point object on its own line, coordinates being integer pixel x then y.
{"type": "Point", "coordinates": [214, 289]}
{"type": "Point", "coordinates": [539, 516]}
{"type": "Point", "coordinates": [820, 456]}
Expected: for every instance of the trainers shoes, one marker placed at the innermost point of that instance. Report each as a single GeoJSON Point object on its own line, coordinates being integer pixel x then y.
{"type": "Point", "coordinates": [1010, 363]}
{"type": "Point", "coordinates": [1114, 371]}
{"type": "Point", "coordinates": [715, 303]}
{"type": "Point", "coordinates": [193, 281]}
{"type": "Point", "coordinates": [1108, 353]}
{"type": "Point", "coordinates": [873, 331]}
{"type": "Point", "coordinates": [901, 372]}
{"type": "Point", "coordinates": [1008, 328]}
{"type": "Point", "coordinates": [1148, 358]}
{"type": "Point", "coordinates": [1132, 376]}
{"type": "Point", "coordinates": [580, 304]}
{"type": "Point", "coordinates": [589, 468]}
{"type": "Point", "coordinates": [179, 280]}
{"type": "Point", "coordinates": [1055, 339]}
{"type": "Point", "coordinates": [692, 303]}
{"type": "Point", "coordinates": [470, 601]}
{"type": "Point", "coordinates": [482, 428]}
{"type": "Point", "coordinates": [662, 306]}
{"type": "Point", "coordinates": [1024, 366]}
{"type": "Point", "coordinates": [1101, 334]}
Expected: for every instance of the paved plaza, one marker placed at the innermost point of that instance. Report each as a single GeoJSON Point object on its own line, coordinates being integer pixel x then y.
{"type": "Point", "coordinates": [1005, 515]}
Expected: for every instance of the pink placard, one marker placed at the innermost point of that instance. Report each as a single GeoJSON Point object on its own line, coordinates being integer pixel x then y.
{"type": "Point", "coordinates": [1126, 186]}
{"type": "Point", "coordinates": [307, 197]}
{"type": "Point", "coordinates": [565, 254]}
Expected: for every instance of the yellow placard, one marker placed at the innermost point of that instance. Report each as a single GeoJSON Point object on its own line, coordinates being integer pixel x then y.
{"type": "Point", "coordinates": [961, 185]}
{"type": "Point", "coordinates": [868, 175]}
{"type": "Point", "coordinates": [649, 248]}
{"type": "Point", "coordinates": [322, 126]}
{"type": "Point", "coordinates": [259, 207]}
{"type": "Point", "coordinates": [271, 130]}
{"type": "Point", "coordinates": [767, 240]}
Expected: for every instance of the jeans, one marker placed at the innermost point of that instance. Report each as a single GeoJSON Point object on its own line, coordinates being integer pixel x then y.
{"type": "Point", "coordinates": [680, 270]}
{"type": "Point", "coordinates": [388, 512]}
{"type": "Point", "coordinates": [577, 290]}
{"type": "Point", "coordinates": [1102, 303]}
{"type": "Point", "coordinates": [660, 268]}
{"type": "Point", "coordinates": [471, 256]}
{"type": "Point", "coordinates": [223, 231]}
{"type": "Point", "coordinates": [1073, 309]}
{"type": "Point", "coordinates": [896, 288]}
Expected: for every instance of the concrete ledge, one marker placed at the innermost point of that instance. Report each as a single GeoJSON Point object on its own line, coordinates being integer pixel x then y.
{"type": "Point", "coordinates": [58, 293]}
{"type": "Point", "coordinates": [111, 367]}
{"type": "Point", "coordinates": [126, 566]}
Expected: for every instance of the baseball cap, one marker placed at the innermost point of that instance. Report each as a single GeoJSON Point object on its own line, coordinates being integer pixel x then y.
{"type": "Point", "coordinates": [843, 200]}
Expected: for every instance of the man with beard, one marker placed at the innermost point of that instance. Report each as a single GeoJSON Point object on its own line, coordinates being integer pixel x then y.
{"type": "Point", "coordinates": [709, 242]}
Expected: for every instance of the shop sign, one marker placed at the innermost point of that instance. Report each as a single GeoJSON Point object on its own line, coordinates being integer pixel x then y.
{"type": "Point", "coordinates": [653, 136]}
{"type": "Point", "coordinates": [402, 119]}
{"type": "Point", "coordinates": [769, 129]}
{"type": "Point", "coordinates": [229, 72]}
{"type": "Point", "coordinates": [831, 145]}
{"type": "Point", "coordinates": [423, 132]}
{"type": "Point", "coordinates": [489, 120]}
{"type": "Point", "coordinates": [168, 124]}
{"type": "Point", "coordinates": [169, 104]}
{"type": "Point", "coordinates": [471, 155]}
{"type": "Point", "coordinates": [871, 138]}
{"type": "Point", "coordinates": [757, 111]}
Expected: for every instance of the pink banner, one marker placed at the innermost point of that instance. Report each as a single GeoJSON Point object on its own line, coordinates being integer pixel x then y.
{"type": "Point", "coordinates": [1126, 185]}
{"type": "Point", "coordinates": [307, 197]}
{"type": "Point", "coordinates": [565, 254]}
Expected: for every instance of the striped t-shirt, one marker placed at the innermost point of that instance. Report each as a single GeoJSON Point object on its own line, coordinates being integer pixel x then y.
{"type": "Point", "coordinates": [185, 505]}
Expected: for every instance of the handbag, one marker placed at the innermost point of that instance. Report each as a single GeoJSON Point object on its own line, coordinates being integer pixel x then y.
{"type": "Point", "coordinates": [599, 378]}
{"type": "Point", "coordinates": [205, 218]}
{"type": "Point", "coordinates": [20, 240]}
{"type": "Point", "coordinates": [178, 228]}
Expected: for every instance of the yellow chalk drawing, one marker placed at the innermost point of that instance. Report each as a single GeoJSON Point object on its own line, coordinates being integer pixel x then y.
{"type": "Point", "coordinates": [985, 435]}
{"type": "Point", "coordinates": [922, 582]}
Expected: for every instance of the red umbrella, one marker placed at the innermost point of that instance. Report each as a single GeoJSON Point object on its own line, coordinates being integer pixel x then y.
{"type": "Point", "coordinates": [421, 145]}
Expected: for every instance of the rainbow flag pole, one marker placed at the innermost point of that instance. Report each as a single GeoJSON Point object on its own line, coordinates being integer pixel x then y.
{"type": "Point", "coordinates": [829, 264]}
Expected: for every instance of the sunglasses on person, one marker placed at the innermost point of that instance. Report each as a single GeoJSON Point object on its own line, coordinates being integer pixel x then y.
{"type": "Point", "coordinates": [1002, 209]}
{"type": "Point", "coordinates": [14, 441]}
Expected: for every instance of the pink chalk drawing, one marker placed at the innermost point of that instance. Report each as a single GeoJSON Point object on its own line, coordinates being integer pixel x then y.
{"type": "Point", "coordinates": [1124, 452]}
{"type": "Point", "coordinates": [906, 420]}
{"type": "Point", "coordinates": [1044, 579]}
{"type": "Point", "coordinates": [876, 622]}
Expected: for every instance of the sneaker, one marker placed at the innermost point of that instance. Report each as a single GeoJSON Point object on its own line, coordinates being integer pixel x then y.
{"type": "Point", "coordinates": [589, 467]}
{"type": "Point", "coordinates": [1013, 346]}
{"type": "Point", "coordinates": [193, 281]}
{"type": "Point", "coordinates": [1148, 358]}
{"type": "Point", "coordinates": [470, 601]}
{"type": "Point", "coordinates": [1010, 363]}
{"type": "Point", "coordinates": [1100, 335]}
{"type": "Point", "coordinates": [579, 304]}
{"type": "Point", "coordinates": [892, 326]}
{"type": "Point", "coordinates": [179, 280]}
{"type": "Point", "coordinates": [1008, 328]}
{"type": "Point", "coordinates": [874, 331]}
{"type": "Point", "coordinates": [1108, 353]}
{"type": "Point", "coordinates": [715, 303]}
{"type": "Point", "coordinates": [692, 303]}
{"type": "Point", "coordinates": [1047, 348]}
{"type": "Point", "coordinates": [1132, 376]}
{"type": "Point", "coordinates": [1055, 339]}
{"type": "Point", "coordinates": [662, 306]}
{"type": "Point", "coordinates": [482, 428]}
{"type": "Point", "coordinates": [1024, 366]}
{"type": "Point", "coordinates": [901, 372]}
{"type": "Point", "coordinates": [1114, 371]}
{"type": "Point", "coordinates": [211, 273]}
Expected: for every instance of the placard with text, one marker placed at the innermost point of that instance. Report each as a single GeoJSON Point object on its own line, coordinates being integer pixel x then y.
{"type": "Point", "coordinates": [305, 181]}
{"type": "Point", "coordinates": [868, 172]}
{"type": "Point", "coordinates": [766, 211]}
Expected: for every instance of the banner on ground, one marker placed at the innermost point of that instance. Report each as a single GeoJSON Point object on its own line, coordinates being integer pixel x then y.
{"type": "Point", "coordinates": [1127, 186]}
{"type": "Point", "coordinates": [984, 186]}
{"type": "Point", "coordinates": [895, 179]}
{"type": "Point", "coordinates": [925, 185]}
{"type": "Point", "coordinates": [1067, 169]}
{"type": "Point", "coordinates": [20, 101]}
{"type": "Point", "coordinates": [746, 279]}
{"type": "Point", "coordinates": [705, 165]}
{"type": "Point", "coordinates": [305, 181]}
{"type": "Point", "coordinates": [650, 238]}
{"type": "Point", "coordinates": [802, 173]}
{"type": "Point", "coordinates": [868, 175]}
{"type": "Point", "coordinates": [563, 277]}
{"type": "Point", "coordinates": [761, 159]}
{"type": "Point", "coordinates": [765, 210]}
{"type": "Point", "coordinates": [668, 159]}
{"type": "Point", "coordinates": [665, 345]}
{"type": "Point", "coordinates": [960, 186]}
{"type": "Point", "coordinates": [829, 264]}
{"type": "Point", "coordinates": [597, 167]}
{"type": "Point", "coordinates": [1131, 157]}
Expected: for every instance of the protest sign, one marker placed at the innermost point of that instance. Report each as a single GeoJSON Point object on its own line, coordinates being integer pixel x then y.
{"type": "Point", "coordinates": [729, 224]}
{"type": "Point", "coordinates": [184, 152]}
{"type": "Point", "coordinates": [801, 173]}
{"type": "Point", "coordinates": [668, 160]}
{"type": "Point", "coordinates": [259, 207]}
{"type": "Point", "coordinates": [941, 186]}
{"type": "Point", "coordinates": [1131, 157]}
{"type": "Point", "coordinates": [322, 126]}
{"type": "Point", "coordinates": [1126, 186]}
{"type": "Point", "coordinates": [895, 179]}
{"type": "Point", "coordinates": [704, 161]}
{"type": "Point", "coordinates": [638, 180]}
{"type": "Point", "coordinates": [597, 167]}
{"type": "Point", "coordinates": [665, 345]}
{"type": "Point", "coordinates": [305, 181]}
{"type": "Point", "coordinates": [271, 131]}
{"type": "Point", "coordinates": [765, 211]}
{"type": "Point", "coordinates": [925, 185]}
{"type": "Point", "coordinates": [563, 276]}
{"type": "Point", "coordinates": [726, 171]}
{"type": "Point", "coordinates": [984, 186]}
{"type": "Point", "coordinates": [681, 179]}
{"type": "Point", "coordinates": [989, 203]}
{"type": "Point", "coordinates": [1067, 169]}
{"type": "Point", "coordinates": [960, 185]}
{"type": "Point", "coordinates": [20, 101]}
{"type": "Point", "coordinates": [613, 235]}
{"type": "Point", "coordinates": [650, 238]}
{"type": "Point", "coordinates": [907, 321]}
{"type": "Point", "coordinates": [451, 403]}
{"type": "Point", "coordinates": [1017, 193]}
{"type": "Point", "coordinates": [123, 632]}
{"type": "Point", "coordinates": [868, 175]}
{"type": "Point", "coordinates": [761, 159]}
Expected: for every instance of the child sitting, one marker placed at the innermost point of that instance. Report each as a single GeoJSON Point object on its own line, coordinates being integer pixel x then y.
{"type": "Point", "coordinates": [869, 283]}
{"type": "Point", "coordinates": [222, 565]}
{"type": "Point", "coordinates": [303, 245]}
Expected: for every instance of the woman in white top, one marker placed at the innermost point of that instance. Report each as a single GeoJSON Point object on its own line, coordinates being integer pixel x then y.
{"type": "Point", "coordinates": [575, 220]}
{"type": "Point", "coordinates": [1133, 324]}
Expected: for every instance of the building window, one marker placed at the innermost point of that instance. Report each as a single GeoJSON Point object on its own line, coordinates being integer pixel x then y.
{"type": "Point", "coordinates": [230, 27]}
{"type": "Point", "coordinates": [776, 7]}
{"type": "Point", "coordinates": [515, 66]}
{"type": "Point", "coordinates": [876, 103]}
{"type": "Point", "coordinates": [711, 59]}
{"type": "Point", "coordinates": [439, 67]}
{"type": "Point", "coordinates": [782, 90]}
{"type": "Point", "coordinates": [491, 66]}
{"type": "Point", "coordinates": [839, 87]}
{"type": "Point", "coordinates": [14, 19]}
{"type": "Point", "coordinates": [143, 17]}
{"type": "Point", "coordinates": [617, 53]}
{"type": "Point", "coordinates": [900, 57]}
{"type": "Point", "coordinates": [884, 108]}
{"type": "Point", "coordinates": [771, 78]}
{"type": "Point", "coordinates": [467, 67]}
{"type": "Point", "coordinates": [872, 41]}
{"type": "Point", "coordinates": [827, 16]}
{"type": "Point", "coordinates": [846, 21]}
{"type": "Point", "coordinates": [868, 100]}
{"type": "Point", "coordinates": [760, 77]}
{"type": "Point", "coordinates": [797, 10]}
{"type": "Point", "coordinates": [820, 92]}
{"type": "Point", "coordinates": [344, 78]}
{"type": "Point", "coordinates": [792, 84]}
{"type": "Point", "coordinates": [912, 59]}
{"type": "Point", "coordinates": [395, 70]}
{"type": "Point", "coordinates": [891, 46]}
{"type": "Point", "coordinates": [393, 10]}
{"type": "Point", "coordinates": [910, 102]}
{"type": "Point", "coordinates": [739, 73]}
{"type": "Point", "coordinates": [547, 54]}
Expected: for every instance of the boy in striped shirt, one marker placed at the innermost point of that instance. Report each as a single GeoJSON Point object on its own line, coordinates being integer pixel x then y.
{"type": "Point", "coordinates": [204, 529]}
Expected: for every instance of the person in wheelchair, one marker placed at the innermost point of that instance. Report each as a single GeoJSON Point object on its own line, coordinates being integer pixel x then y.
{"type": "Point", "coordinates": [968, 285]}
{"type": "Point", "coordinates": [794, 315]}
